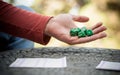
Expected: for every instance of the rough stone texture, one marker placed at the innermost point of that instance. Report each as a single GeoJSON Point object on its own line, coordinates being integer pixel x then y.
{"type": "Point", "coordinates": [80, 61]}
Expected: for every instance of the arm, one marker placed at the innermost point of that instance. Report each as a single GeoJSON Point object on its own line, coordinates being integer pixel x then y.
{"type": "Point", "coordinates": [22, 23]}
{"type": "Point", "coordinates": [37, 27]}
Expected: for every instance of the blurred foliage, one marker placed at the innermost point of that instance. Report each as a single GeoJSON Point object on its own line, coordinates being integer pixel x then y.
{"type": "Point", "coordinates": [54, 7]}
{"type": "Point", "coordinates": [10, 1]}
{"type": "Point", "coordinates": [51, 7]}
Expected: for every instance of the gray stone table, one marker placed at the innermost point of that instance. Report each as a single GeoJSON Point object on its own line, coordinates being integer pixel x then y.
{"type": "Point", "coordinates": [80, 61]}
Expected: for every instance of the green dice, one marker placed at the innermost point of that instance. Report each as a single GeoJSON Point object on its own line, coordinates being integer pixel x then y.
{"type": "Point", "coordinates": [83, 32]}
{"type": "Point", "coordinates": [83, 29]}
{"type": "Point", "coordinates": [89, 33]}
{"type": "Point", "coordinates": [74, 31]}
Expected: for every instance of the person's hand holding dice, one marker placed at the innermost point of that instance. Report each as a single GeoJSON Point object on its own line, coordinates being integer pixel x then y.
{"type": "Point", "coordinates": [64, 29]}
{"type": "Point", "coordinates": [83, 32]}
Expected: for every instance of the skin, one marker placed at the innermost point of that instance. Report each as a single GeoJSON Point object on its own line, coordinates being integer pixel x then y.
{"type": "Point", "coordinates": [60, 26]}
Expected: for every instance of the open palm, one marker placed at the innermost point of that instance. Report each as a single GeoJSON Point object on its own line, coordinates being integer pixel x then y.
{"type": "Point", "coordinates": [60, 26]}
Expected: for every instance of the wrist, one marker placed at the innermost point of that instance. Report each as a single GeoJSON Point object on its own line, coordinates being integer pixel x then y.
{"type": "Point", "coordinates": [49, 26]}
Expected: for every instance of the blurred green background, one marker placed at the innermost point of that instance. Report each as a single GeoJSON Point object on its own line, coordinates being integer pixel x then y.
{"type": "Point", "coordinates": [106, 11]}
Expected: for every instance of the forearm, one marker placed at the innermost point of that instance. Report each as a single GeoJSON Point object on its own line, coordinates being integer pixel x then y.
{"type": "Point", "coordinates": [23, 23]}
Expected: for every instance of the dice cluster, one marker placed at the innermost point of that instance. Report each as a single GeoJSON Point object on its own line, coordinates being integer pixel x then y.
{"type": "Point", "coordinates": [81, 32]}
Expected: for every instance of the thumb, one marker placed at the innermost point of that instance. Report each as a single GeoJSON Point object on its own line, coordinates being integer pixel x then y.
{"type": "Point", "coordinates": [80, 18]}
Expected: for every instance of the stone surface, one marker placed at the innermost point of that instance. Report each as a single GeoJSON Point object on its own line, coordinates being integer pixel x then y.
{"type": "Point", "coordinates": [80, 61]}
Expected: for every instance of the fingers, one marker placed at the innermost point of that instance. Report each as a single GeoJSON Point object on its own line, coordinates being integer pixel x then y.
{"type": "Point", "coordinates": [97, 31]}
{"type": "Point", "coordinates": [92, 38]}
{"type": "Point", "coordinates": [98, 28]}
{"type": "Point", "coordinates": [89, 39]}
{"type": "Point", "coordinates": [80, 18]}
{"type": "Point", "coordinates": [97, 25]}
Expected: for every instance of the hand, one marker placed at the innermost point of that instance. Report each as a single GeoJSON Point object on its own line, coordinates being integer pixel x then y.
{"type": "Point", "coordinates": [60, 26]}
